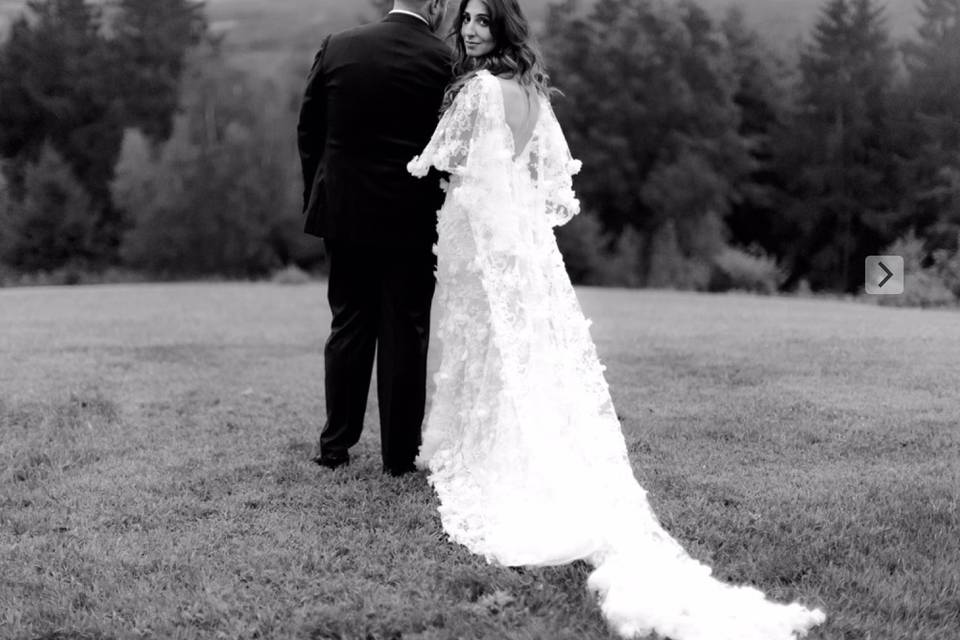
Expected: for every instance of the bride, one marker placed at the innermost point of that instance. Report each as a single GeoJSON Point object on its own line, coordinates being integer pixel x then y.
{"type": "Point", "coordinates": [522, 442]}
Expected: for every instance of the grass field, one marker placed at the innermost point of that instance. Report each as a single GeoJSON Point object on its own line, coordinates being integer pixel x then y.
{"type": "Point", "coordinates": [154, 479]}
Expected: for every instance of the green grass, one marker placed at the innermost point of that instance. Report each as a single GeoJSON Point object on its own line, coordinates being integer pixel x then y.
{"type": "Point", "coordinates": [154, 479]}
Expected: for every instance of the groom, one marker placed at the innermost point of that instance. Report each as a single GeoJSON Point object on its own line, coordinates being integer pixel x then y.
{"type": "Point", "coordinates": [371, 104]}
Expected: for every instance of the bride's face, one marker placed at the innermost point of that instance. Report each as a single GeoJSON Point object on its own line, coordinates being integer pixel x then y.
{"type": "Point", "coordinates": [475, 29]}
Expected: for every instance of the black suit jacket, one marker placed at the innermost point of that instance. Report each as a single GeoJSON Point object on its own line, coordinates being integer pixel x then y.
{"type": "Point", "coordinates": [371, 104]}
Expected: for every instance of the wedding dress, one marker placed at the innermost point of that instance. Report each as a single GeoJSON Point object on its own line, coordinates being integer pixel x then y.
{"type": "Point", "coordinates": [522, 442]}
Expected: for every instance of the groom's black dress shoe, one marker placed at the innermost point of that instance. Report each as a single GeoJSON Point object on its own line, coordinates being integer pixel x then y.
{"type": "Point", "coordinates": [399, 471]}
{"type": "Point", "coordinates": [330, 462]}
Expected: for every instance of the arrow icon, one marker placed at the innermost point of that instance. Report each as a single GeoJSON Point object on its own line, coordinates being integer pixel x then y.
{"type": "Point", "coordinates": [887, 283]}
{"type": "Point", "coordinates": [885, 270]}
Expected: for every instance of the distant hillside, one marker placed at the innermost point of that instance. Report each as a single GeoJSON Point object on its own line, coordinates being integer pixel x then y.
{"type": "Point", "coordinates": [296, 25]}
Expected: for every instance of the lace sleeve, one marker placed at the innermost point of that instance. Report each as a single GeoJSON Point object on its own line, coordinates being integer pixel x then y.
{"type": "Point", "coordinates": [555, 171]}
{"type": "Point", "coordinates": [453, 140]}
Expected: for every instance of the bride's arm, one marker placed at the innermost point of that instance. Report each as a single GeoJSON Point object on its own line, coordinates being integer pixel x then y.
{"type": "Point", "coordinates": [556, 170]}
{"type": "Point", "coordinates": [450, 146]}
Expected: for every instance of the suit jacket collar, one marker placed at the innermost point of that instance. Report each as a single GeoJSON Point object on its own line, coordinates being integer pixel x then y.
{"type": "Point", "coordinates": [411, 20]}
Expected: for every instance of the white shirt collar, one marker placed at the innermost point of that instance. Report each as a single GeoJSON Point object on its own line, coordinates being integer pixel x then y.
{"type": "Point", "coordinates": [411, 13]}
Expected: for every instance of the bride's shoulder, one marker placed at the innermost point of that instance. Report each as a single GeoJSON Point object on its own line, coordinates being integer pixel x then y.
{"type": "Point", "coordinates": [475, 84]}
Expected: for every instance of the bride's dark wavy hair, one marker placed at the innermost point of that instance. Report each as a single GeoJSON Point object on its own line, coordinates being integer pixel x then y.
{"type": "Point", "coordinates": [515, 52]}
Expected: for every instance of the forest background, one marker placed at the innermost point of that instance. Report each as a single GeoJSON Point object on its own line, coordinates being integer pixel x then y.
{"type": "Point", "coordinates": [766, 146]}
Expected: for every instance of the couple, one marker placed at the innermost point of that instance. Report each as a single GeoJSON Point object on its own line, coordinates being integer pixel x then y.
{"type": "Point", "coordinates": [522, 443]}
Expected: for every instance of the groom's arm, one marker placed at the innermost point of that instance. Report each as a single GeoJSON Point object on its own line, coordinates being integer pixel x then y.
{"type": "Point", "coordinates": [312, 124]}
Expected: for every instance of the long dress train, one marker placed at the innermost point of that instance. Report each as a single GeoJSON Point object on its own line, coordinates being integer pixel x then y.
{"type": "Point", "coordinates": [522, 442]}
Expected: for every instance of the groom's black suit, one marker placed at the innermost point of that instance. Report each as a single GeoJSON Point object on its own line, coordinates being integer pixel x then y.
{"type": "Point", "coordinates": [371, 104]}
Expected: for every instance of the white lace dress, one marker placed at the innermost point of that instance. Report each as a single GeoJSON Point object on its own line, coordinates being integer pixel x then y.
{"type": "Point", "coordinates": [522, 442]}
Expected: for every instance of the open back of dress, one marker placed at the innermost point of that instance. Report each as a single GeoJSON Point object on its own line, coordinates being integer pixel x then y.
{"type": "Point", "coordinates": [521, 131]}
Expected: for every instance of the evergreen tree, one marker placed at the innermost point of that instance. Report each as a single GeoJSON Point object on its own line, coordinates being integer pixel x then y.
{"type": "Point", "coordinates": [73, 81]}
{"type": "Point", "coordinates": [648, 108]}
{"type": "Point", "coordinates": [837, 154]}
{"type": "Point", "coordinates": [762, 97]}
{"type": "Point", "coordinates": [151, 40]}
{"type": "Point", "coordinates": [934, 169]}
{"type": "Point", "coordinates": [7, 220]}
{"type": "Point", "coordinates": [55, 91]}
{"type": "Point", "coordinates": [52, 225]}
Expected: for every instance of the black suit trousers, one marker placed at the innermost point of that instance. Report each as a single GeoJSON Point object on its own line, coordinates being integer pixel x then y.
{"type": "Point", "coordinates": [380, 301]}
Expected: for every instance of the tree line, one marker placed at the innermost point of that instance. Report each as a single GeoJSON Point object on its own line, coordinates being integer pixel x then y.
{"type": "Point", "coordinates": [127, 139]}
{"type": "Point", "coordinates": [710, 162]}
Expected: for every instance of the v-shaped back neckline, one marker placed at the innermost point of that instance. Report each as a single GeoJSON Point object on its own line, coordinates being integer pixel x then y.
{"type": "Point", "coordinates": [532, 122]}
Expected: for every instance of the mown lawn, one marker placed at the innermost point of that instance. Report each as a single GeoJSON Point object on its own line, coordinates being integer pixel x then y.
{"type": "Point", "coordinates": [154, 479]}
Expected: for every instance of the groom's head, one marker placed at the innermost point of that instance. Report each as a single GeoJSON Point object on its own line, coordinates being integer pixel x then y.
{"type": "Point", "coordinates": [433, 10]}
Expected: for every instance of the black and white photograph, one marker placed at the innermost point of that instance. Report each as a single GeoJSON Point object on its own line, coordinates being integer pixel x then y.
{"type": "Point", "coordinates": [480, 319]}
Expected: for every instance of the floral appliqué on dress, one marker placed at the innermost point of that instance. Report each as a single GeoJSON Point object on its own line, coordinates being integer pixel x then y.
{"type": "Point", "coordinates": [522, 442]}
